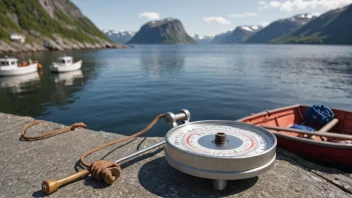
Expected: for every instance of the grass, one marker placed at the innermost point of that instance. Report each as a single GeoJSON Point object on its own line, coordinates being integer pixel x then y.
{"type": "Point", "coordinates": [86, 25]}
{"type": "Point", "coordinates": [7, 23]}
{"type": "Point", "coordinates": [32, 16]}
{"type": "Point", "coordinates": [4, 35]}
{"type": "Point", "coordinates": [172, 39]}
{"type": "Point", "coordinates": [63, 17]}
{"type": "Point", "coordinates": [316, 38]}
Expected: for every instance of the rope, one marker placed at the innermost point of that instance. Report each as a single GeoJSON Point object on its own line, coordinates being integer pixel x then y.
{"type": "Point", "coordinates": [49, 134]}
{"type": "Point", "coordinates": [102, 169]}
{"type": "Point", "coordinates": [84, 155]}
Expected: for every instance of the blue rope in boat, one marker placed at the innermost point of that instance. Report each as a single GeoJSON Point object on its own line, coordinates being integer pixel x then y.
{"type": "Point", "coordinates": [316, 115]}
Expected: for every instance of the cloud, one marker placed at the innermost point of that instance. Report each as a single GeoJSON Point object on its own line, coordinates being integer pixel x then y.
{"type": "Point", "coordinates": [149, 15]}
{"type": "Point", "coordinates": [261, 2]}
{"type": "Point", "coordinates": [274, 4]}
{"type": "Point", "coordinates": [271, 4]}
{"type": "Point", "coordinates": [297, 5]}
{"type": "Point", "coordinates": [216, 19]}
{"type": "Point", "coordinates": [249, 14]}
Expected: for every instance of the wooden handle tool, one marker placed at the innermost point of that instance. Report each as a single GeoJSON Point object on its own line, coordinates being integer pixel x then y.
{"type": "Point", "coordinates": [51, 185]}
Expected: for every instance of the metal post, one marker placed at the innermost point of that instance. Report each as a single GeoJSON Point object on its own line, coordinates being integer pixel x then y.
{"type": "Point", "coordinates": [219, 184]}
{"type": "Point", "coordinates": [128, 157]}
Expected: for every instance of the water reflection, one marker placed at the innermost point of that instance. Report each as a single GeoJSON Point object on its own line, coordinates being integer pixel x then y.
{"type": "Point", "coordinates": [41, 95]}
{"type": "Point", "coordinates": [158, 63]}
{"type": "Point", "coordinates": [121, 90]}
{"type": "Point", "coordinates": [67, 78]}
{"type": "Point", "coordinates": [18, 84]}
{"type": "Point", "coordinates": [311, 72]}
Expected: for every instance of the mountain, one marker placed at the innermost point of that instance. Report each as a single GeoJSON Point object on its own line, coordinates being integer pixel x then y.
{"type": "Point", "coordinates": [333, 27]}
{"type": "Point", "coordinates": [280, 28]}
{"type": "Point", "coordinates": [167, 31]}
{"type": "Point", "coordinates": [48, 25]}
{"type": "Point", "coordinates": [119, 36]}
{"type": "Point", "coordinates": [239, 35]}
{"type": "Point", "coordinates": [202, 39]}
{"type": "Point", "coordinates": [219, 37]}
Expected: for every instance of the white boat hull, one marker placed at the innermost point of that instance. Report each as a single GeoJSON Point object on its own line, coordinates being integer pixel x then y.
{"type": "Point", "coordinates": [19, 70]}
{"type": "Point", "coordinates": [66, 68]}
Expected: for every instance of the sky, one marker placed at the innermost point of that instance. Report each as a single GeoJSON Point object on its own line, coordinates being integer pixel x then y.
{"type": "Point", "coordinates": [203, 17]}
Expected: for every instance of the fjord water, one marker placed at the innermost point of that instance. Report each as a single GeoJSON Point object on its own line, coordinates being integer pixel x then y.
{"type": "Point", "coordinates": [122, 90]}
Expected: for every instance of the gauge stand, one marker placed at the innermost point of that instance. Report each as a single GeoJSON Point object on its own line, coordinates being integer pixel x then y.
{"type": "Point", "coordinates": [220, 140]}
{"type": "Point", "coordinates": [219, 150]}
{"type": "Point", "coordinates": [219, 184]}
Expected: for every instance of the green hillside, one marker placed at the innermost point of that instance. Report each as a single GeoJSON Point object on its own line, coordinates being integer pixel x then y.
{"type": "Point", "coordinates": [333, 27]}
{"type": "Point", "coordinates": [29, 16]}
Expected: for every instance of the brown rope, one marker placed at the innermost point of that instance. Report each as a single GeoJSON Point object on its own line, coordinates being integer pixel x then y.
{"type": "Point", "coordinates": [49, 134]}
{"type": "Point", "coordinates": [102, 169]}
{"type": "Point", "coordinates": [84, 155]}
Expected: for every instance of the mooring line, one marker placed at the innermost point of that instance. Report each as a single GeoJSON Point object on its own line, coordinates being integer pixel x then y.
{"type": "Point", "coordinates": [103, 170]}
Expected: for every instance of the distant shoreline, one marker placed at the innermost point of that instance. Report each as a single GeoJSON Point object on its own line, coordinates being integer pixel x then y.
{"type": "Point", "coordinates": [13, 47]}
{"type": "Point", "coordinates": [119, 46]}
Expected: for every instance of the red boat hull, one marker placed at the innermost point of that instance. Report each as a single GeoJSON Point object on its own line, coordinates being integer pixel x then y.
{"type": "Point", "coordinates": [331, 152]}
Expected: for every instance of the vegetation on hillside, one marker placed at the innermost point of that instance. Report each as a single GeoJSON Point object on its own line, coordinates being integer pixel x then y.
{"type": "Point", "coordinates": [316, 38]}
{"type": "Point", "coordinates": [172, 38]}
{"type": "Point", "coordinates": [167, 31]}
{"type": "Point", "coordinates": [32, 16]}
{"type": "Point", "coordinates": [333, 27]}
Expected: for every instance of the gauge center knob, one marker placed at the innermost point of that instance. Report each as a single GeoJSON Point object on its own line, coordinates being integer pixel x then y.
{"type": "Point", "coordinates": [220, 138]}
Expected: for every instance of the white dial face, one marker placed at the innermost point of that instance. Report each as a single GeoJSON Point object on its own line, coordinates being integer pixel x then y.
{"type": "Point", "coordinates": [239, 142]}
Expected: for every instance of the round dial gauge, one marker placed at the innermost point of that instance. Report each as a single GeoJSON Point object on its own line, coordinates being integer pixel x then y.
{"type": "Point", "coordinates": [219, 149]}
{"type": "Point", "coordinates": [238, 139]}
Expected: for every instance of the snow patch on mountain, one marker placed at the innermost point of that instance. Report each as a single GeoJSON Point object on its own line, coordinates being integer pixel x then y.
{"type": "Point", "coordinates": [250, 28]}
{"type": "Point", "coordinates": [246, 28]}
{"type": "Point", "coordinates": [304, 18]}
{"type": "Point", "coordinates": [120, 36]}
{"type": "Point", "coordinates": [203, 39]}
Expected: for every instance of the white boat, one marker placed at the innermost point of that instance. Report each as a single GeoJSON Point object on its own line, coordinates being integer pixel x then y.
{"type": "Point", "coordinates": [65, 64]}
{"type": "Point", "coordinates": [10, 67]}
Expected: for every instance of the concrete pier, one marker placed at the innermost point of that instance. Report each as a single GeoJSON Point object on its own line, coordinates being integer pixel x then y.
{"type": "Point", "coordinates": [24, 165]}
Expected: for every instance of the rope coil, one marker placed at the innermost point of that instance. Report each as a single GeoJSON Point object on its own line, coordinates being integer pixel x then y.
{"type": "Point", "coordinates": [106, 171]}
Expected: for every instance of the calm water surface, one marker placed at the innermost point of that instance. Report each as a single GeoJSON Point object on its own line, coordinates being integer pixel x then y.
{"type": "Point", "coordinates": [121, 91]}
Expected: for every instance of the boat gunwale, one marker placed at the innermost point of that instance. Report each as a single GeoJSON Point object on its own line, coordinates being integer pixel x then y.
{"type": "Point", "coordinates": [304, 140]}
{"type": "Point", "coordinates": [320, 143]}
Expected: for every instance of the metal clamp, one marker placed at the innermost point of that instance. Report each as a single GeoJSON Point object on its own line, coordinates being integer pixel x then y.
{"type": "Point", "coordinates": [184, 116]}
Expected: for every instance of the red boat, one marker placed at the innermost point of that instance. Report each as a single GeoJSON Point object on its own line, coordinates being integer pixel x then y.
{"type": "Point", "coordinates": [331, 144]}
